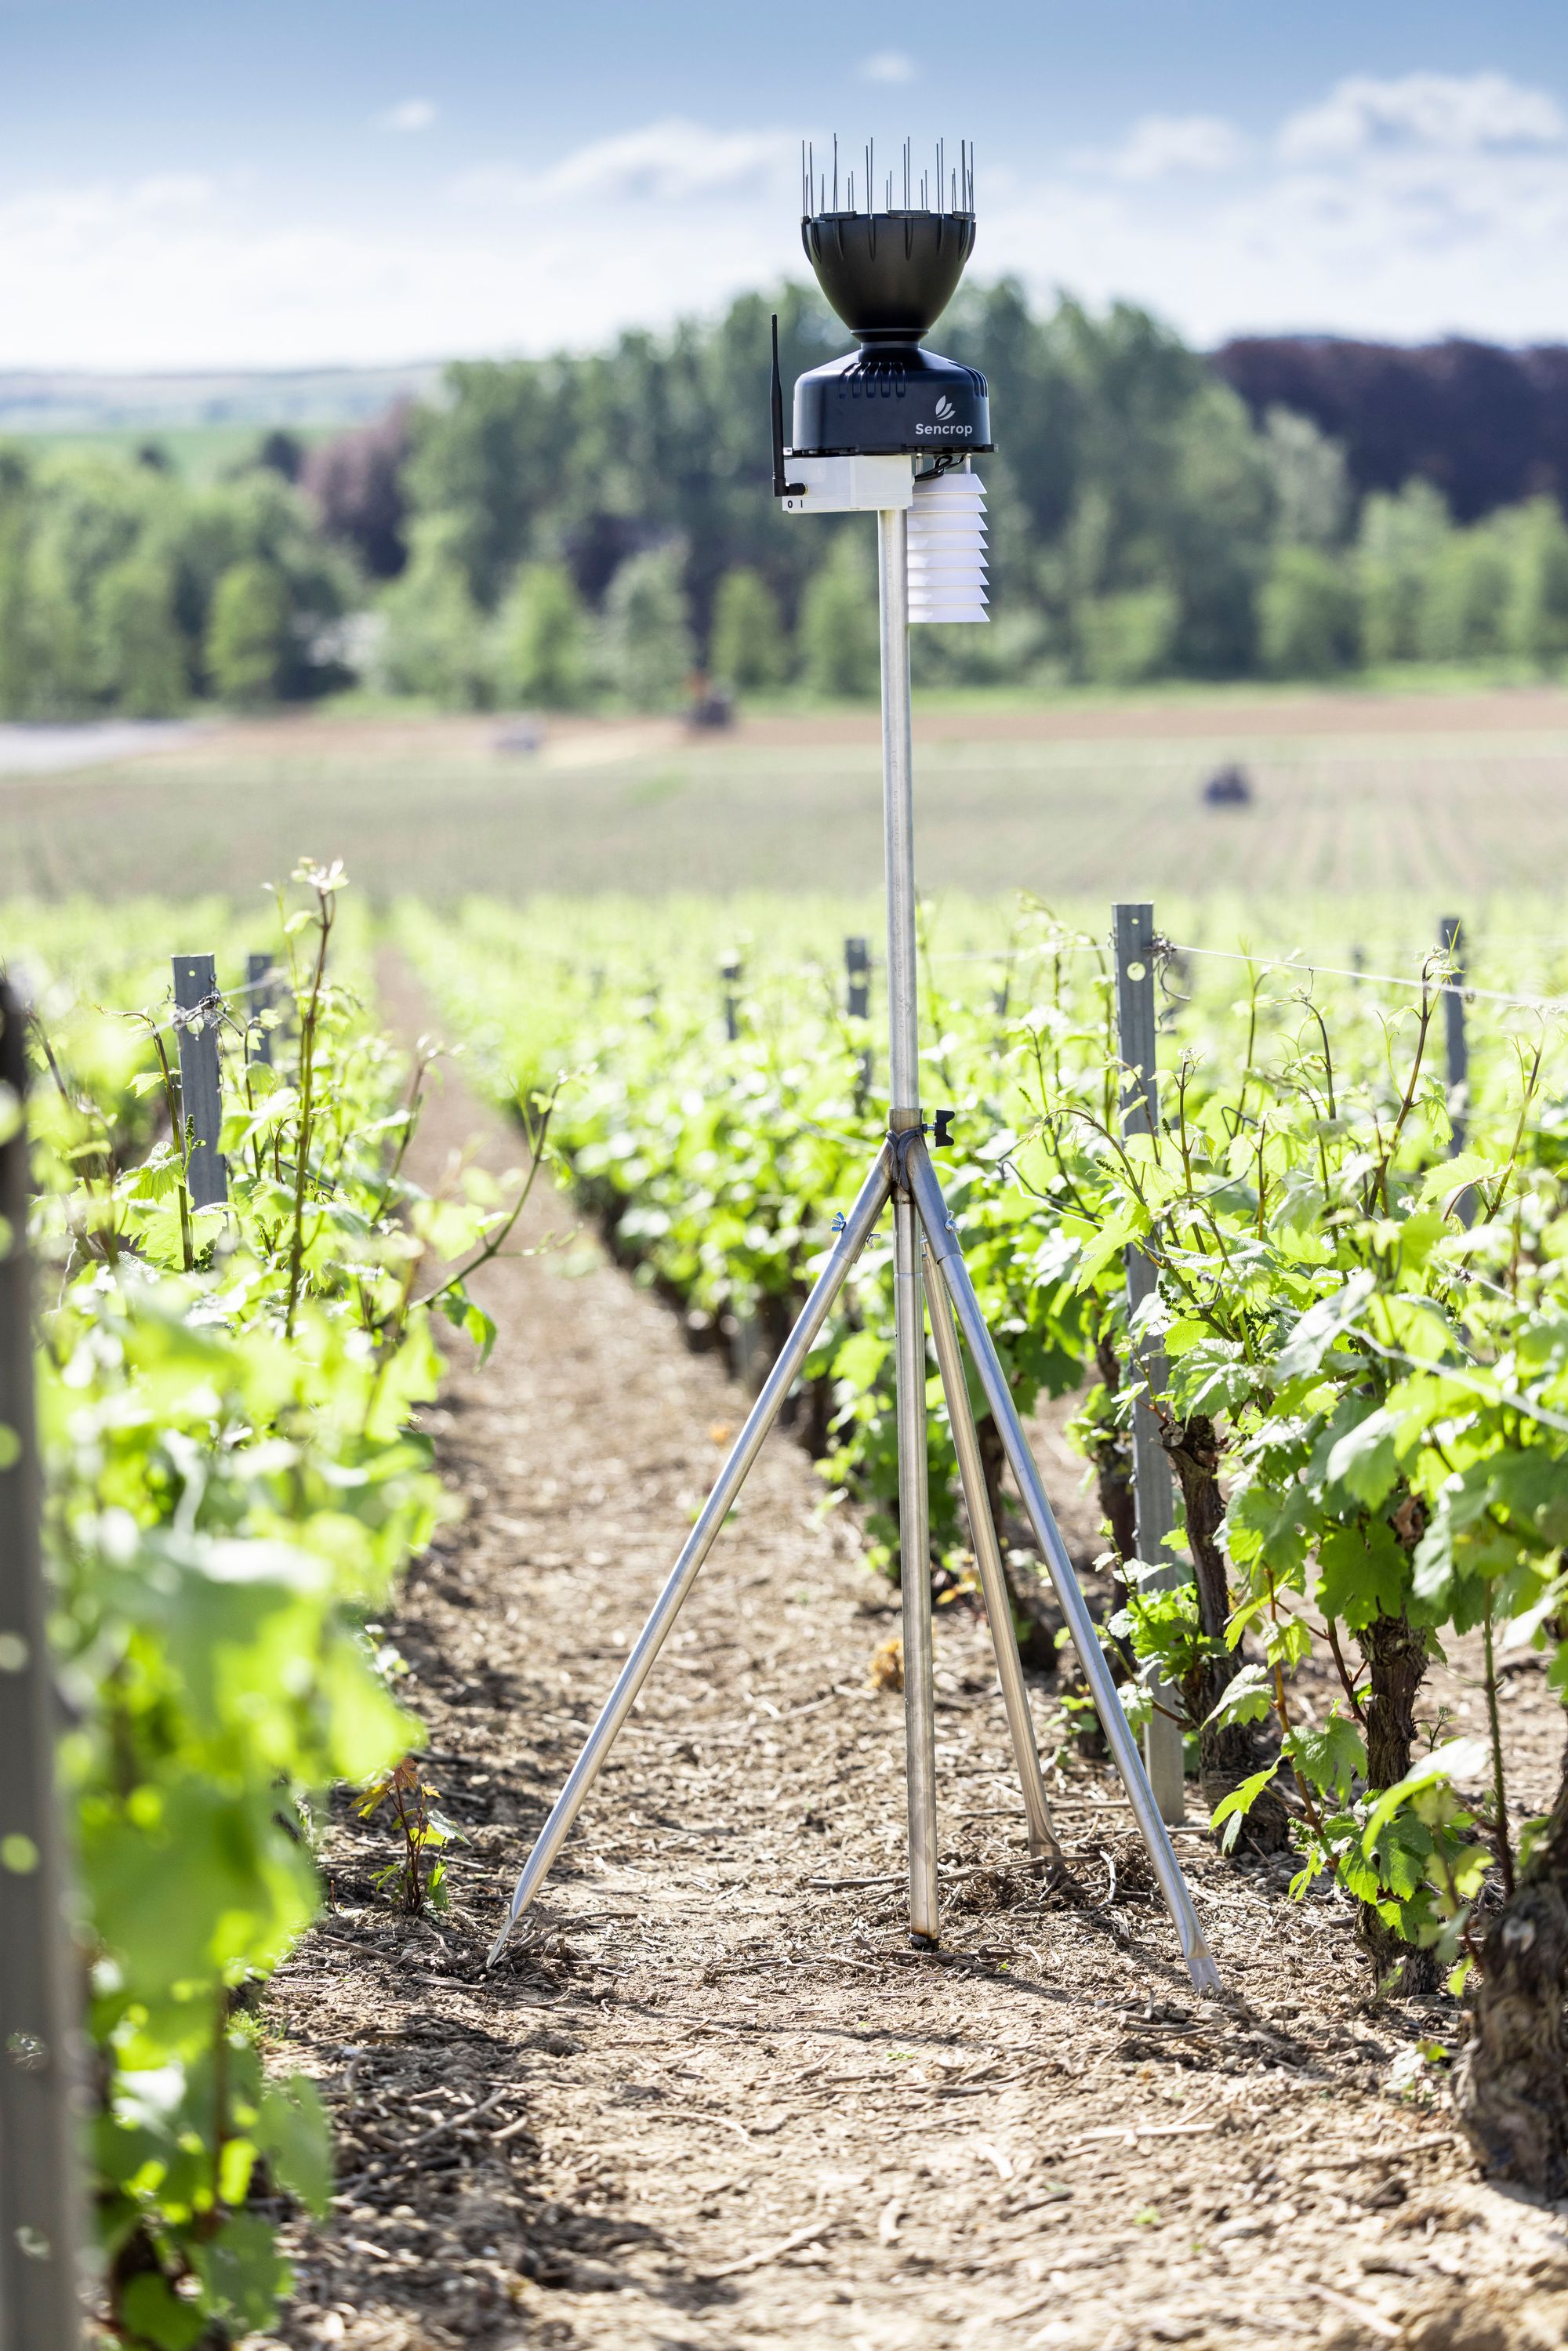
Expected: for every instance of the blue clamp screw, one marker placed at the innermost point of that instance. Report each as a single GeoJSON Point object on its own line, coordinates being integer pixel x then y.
{"type": "Point", "coordinates": [838, 1225]}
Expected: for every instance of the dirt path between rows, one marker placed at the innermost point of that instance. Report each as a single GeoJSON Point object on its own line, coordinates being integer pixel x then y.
{"type": "Point", "coordinates": [716, 2102]}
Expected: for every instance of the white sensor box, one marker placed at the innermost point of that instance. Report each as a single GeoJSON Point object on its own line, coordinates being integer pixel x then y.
{"type": "Point", "coordinates": [850, 484]}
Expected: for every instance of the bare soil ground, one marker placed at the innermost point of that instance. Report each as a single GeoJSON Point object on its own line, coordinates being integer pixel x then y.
{"type": "Point", "coordinates": [714, 2100]}
{"type": "Point", "coordinates": [1004, 718]}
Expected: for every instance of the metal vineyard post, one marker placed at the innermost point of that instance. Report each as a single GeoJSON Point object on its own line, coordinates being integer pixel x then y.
{"type": "Point", "coordinates": [1456, 1050]}
{"type": "Point", "coordinates": [1133, 945]}
{"type": "Point", "coordinates": [38, 2196]}
{"type": "Point", "coordinates": [200, 1106]}
{"type": "Point", "coordinates": [857, 994]}
{"type": "Point", "coordinates": [261, 992]}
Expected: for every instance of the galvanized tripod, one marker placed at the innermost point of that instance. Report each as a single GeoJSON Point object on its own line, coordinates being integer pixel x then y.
{"type": "Point", "coordinates": [903, 1172]}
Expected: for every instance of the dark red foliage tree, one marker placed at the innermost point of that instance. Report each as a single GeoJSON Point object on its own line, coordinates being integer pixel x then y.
{"type": "Point", "coordinates": [1488, 426]}
{"type": "Point", "coordinates": [355, 482]}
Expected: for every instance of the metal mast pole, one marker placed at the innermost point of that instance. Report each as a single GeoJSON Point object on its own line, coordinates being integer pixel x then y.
{"type": "Point", "coordinates": [909, 1315]}
{"type": "Point", "coordinates": [898, 821]}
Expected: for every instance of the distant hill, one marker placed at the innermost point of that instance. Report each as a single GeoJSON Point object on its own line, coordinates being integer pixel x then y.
{"type": "Point", "coordinates": [1488, 425]}
{"type": "Point", "coordinates": [39, 401]}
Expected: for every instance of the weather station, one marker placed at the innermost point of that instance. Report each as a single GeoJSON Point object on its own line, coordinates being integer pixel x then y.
{"type": "Point", "coordinates": [892, 429]}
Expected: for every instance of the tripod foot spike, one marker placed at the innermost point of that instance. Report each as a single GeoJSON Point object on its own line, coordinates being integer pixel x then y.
{"type": "Point", "coordinates": [1205, 1975]}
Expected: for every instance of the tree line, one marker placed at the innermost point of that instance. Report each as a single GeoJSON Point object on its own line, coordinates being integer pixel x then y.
{"type": "Point", "coordinates": [1488, 425]}
{"type": "Point", "coordinates": [590, 531]}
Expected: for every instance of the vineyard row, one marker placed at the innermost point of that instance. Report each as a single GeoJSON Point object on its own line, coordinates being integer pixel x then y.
{"type": "Point", "coordinates": [1351, 1333]}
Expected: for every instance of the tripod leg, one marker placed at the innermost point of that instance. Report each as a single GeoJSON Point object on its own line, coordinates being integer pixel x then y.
{"type": "Point", "coordinates": [915, 1570]}
{"type": "Point", "coordinates": [941, 1241]}
{"type": "Point", "coordinates": [862, 1217]}
{"type": "Point", "coordinates": [993, 1582]}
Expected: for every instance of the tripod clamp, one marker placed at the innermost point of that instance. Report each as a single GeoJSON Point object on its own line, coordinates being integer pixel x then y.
{"type": "Point", "coordinates": [900, 1138]}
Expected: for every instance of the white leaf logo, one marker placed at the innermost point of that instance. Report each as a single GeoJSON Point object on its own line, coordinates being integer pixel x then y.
{"type": "Point", "coordinates": [944, 409]}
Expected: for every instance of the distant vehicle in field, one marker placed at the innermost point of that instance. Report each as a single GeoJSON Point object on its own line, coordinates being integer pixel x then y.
{"type": "Point", "coordinates": [525, 735]}
{"type": "Point", "coordinates": [1230, 786]}
{"type": "Point", "coordinates": [710, 708]}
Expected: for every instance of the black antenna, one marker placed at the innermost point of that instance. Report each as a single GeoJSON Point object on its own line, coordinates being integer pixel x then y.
{"type": "Point", "coordinates": [782, 488]}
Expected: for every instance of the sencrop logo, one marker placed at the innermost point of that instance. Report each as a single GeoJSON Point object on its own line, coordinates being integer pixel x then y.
{"type": "Point", "coordinates": [945, 413]}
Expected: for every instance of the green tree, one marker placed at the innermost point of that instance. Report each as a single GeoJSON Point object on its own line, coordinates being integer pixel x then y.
{"type": "Point", "coordinates": [1536, 618]}
{"type": "Point", "coordinates": [497, 456]}
{"type": "Point", "coordinates": [1463, 610]}
{"type": "Point", "coordinates": [1128, 636]}
{"type": "Point", "coordinates": [1311, 485]}
{"type": "Point", "coordinates": [648, 647]}
{"type": "Point", "coordinates": [247, 642]}
{"type": "Point", "coordinates": [436, 641]}
{"type": "Point", "coordinates": [16, 523]}
{"type": "Point", "coordinates": [1309, 623]}
{"type": "Point", "coordinates": [258, 517]}
{"type": "Point", "coordinates": [840, 633]}
{"type": "Point", "coordinates": [542, 639]}
{"type": "Point", "coordinates": [1399, 542]}
{"type": "Point", "coordinates": [749, 649]}
{"type": "Point", "coordinates": [1215, 534]}
{"type": "Point", "coordinates": [141, 657]}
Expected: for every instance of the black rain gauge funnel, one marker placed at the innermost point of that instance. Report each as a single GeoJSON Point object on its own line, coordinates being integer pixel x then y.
{"type": "Point", "coordinates": [889, 275]}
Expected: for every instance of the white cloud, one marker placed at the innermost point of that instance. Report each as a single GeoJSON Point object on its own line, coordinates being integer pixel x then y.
{"type": "Point", "coordinates": [1458, 220]}
{"type": "Point", "coordinates": [1168, 146]}
{"type": "Point", "coordinates": [1414, 250]}
{"type": "Point", "coordinates": [413, 114]}
{"type": "Point", "coordinates": [889, 65]}
{"type": "Point", "coordinates": [669, 162]}
{"type": "Point", "coordinates": [144, 277]}
{"type": "Point", "coordinates": [1456, 114]}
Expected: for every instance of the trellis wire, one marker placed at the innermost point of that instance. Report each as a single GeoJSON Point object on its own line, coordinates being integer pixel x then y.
{"type": "Point", "coordinates": [1434, 987]}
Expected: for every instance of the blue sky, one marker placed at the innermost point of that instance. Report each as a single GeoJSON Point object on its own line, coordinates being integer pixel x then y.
{"type": "Point", "coordinates": [293, 184]}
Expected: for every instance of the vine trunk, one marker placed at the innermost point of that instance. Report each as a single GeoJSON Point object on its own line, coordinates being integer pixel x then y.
{"type": "Point", "coordinates": [1229, 1752]}
{"type": "Point", "coordinates": [1511, 2088]}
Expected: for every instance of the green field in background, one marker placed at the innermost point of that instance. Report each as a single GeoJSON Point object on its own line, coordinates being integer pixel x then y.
{"type": "Point", "coordinates": [198, 451]}
{"type": "Point", "coordinates": [1423, 814]}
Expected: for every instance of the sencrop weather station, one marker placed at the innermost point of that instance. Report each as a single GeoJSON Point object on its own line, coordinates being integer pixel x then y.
{"type": "Point", "coordinates": [891, 430]}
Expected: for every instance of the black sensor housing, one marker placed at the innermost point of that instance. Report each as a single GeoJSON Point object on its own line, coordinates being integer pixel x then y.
{"type": "Point", "coordinates": [890, 276]}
